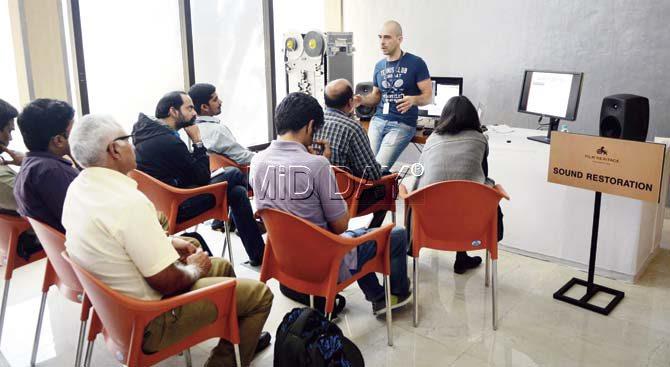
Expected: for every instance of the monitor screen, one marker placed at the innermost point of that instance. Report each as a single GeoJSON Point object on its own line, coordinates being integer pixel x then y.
{"type": "Point", "coordinates": [443, 89]}
{"type": "Point", "coordinates": [553, 94]}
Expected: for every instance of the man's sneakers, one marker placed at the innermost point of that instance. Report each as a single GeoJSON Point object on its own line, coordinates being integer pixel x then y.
{"type": "Point", "coordinates": [464, 262]}
{"type": "Point", "coordinates": [379, 307]}
{"type": "Point", "coordinates": [263, 342]}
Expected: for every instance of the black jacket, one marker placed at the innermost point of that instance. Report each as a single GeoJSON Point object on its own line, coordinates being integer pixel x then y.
{"type": "Point", "coordinates": [162, 154]}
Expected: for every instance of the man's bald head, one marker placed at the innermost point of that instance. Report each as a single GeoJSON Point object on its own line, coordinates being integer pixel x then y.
{"type": "Point", "coordinates": [338, 93]}
{"type": "Point", "coordinates": [392, 27]}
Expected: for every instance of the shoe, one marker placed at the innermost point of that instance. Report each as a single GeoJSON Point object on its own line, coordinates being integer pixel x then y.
{"type": "Point", "coordinates": [465, 263]}
{"type": "Point", "coordinates": [379, 307]}
{"type": "Point", "coordinates": [219, 225]}
{"type": "Point", "coordinates": [254, 263]}
{"type": "Point", "coordinates": [263, 342]}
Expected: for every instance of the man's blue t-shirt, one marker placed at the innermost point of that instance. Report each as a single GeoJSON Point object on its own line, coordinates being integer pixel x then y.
{"type": "Point", "coordinates": [396, 79]}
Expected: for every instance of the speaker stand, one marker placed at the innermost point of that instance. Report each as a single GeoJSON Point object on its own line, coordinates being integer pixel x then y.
{"type": "Point", "coordinates": [553, 126]}
{"type": "Point", "coordinates": [591, 288]}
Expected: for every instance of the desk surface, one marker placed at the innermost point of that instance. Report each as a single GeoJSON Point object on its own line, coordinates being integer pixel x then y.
{"type": "Point", "coordinates": [554, 221]}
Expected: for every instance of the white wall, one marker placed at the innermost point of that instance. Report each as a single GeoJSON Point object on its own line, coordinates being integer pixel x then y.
{"type": "Point", "coordinates": [9, 90]}
{"type": "Point", "coordinates": [133, 56]}
{"type": "Point", "coordinates": [229, 52]}
{"type": "Point", "coordinates": [620, 45]}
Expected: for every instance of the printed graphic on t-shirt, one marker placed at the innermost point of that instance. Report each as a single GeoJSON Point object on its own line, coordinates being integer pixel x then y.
{"type": "Point", "coordinates": [393, 83]}
{"type": "Point", "coordinates": [395, 80]}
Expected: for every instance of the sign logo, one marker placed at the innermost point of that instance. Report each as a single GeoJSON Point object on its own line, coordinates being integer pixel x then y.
{"type": "Point", "coordinates": [601, 151]}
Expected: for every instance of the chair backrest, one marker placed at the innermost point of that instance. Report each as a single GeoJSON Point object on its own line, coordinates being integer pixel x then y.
{"type": "Point", "coordinates": [124, 318]}
{"type": "Point", "coordinates": [11, 228]}
{"type": "Point", "coordinates": [300, 254]}
{"type": "Point", "coordinates": [157, 191]}
{"type": "Point", "coordinates": [352, 187]}
{"type": "Point", "coordinates": [53, 243]}
{"type": "Point", "coordinates": [454, 216]}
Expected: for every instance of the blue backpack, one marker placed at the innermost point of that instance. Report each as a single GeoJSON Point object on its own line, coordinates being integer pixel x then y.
{"type": "Point", "coordinates": [306, 338]}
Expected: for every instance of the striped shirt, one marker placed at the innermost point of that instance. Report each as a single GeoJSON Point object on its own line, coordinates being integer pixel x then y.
{"type": "Point", "coordinates": [349, 144]}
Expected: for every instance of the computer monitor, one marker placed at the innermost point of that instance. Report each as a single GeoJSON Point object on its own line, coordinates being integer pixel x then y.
{"type": "Point", "coordinates": [443, 89]}
{"type": "Point", "coordinates": [551, 94]}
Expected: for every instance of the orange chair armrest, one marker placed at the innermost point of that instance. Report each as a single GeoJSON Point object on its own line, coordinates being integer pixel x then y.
{"type": "Point", "coordinates": [214, 189]}
{"type": "Point", "coordinates": [208, 293]}
{"type": "Point", "coordinates": [378, 235]}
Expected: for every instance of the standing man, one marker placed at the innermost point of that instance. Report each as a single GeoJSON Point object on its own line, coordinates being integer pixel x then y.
{"type": "Point", "coordinates": [401, 84]}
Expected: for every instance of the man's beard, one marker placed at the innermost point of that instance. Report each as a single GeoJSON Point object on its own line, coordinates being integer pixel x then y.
{"type": "Point", "coordinates": [182, 122]}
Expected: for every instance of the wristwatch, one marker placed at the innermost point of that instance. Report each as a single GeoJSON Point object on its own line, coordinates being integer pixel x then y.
{"type": "Point", "coordinates": [198, 145]}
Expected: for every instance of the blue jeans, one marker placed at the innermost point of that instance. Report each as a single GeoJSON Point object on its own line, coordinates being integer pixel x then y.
{"type": "Point", "coordinates": [388, 139]}
{"type": "Point", "coordinates": [369, 283]}
{"type": "Point", "coordinates": [240, 207]}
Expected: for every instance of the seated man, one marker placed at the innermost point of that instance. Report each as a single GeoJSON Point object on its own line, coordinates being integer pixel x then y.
{"type": "Point", "coordinates": [138, 259]}
{"type": "Point", "coordinates": [297, 117]}
{"type": "Point", "coordinates": [45, 175]}
{"type": "Point", "coordinates": [27, 242]}
{"type": "Point", "coordinates": [216, 136]}
{"type": "Point", "coordinates": [163, 155]}
{"type": "Point", "coordinates": [349, 143]}
{"type": "Point", "coordinates": [45, 126]}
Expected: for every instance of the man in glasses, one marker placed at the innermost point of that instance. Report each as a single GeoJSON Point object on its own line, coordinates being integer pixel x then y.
{"type": "Point", "coordinates": [139, 260]}
{"type": "Point", "coordinates": [45, 173]}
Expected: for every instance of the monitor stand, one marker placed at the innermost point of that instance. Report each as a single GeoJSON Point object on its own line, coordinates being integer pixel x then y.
{"type": "Point", "coordinates": [553, 126]}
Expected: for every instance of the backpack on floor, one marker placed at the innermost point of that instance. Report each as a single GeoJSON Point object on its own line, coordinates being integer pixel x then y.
{"type": "Point", "coordinates": [306, 338]}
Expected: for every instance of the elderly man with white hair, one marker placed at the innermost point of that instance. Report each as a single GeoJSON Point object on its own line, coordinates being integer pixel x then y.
{"type": "Point", "coordinates": [112, 232]}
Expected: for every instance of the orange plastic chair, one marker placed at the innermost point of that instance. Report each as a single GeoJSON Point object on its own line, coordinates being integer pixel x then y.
{"type": "Point", "coordinates": [310, 262]}
{"type": "Point", "coordinates": [167, 198]}
{"type": "Point", "coordinates": [352, 188]}
{"type": "Point", "coordinates": [60, 274]}
{"type": "Point", "coordinates": [11, 228]}
{"type": "Point", "coordinates": [122, 319]}
{"type": "Point", "coordinates": [217, 161]}
{"type": "Point", "coordinates": [455, 216]}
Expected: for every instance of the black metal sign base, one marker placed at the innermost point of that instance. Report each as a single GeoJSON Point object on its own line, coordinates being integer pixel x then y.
{"type": "Point", "coordinates": [591, 288]}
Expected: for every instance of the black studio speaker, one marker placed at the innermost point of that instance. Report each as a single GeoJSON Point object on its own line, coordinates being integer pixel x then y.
{"type": "Point", "coordinates": [364, 112]}
{"type": "Point", "coordinates": [625, 116]}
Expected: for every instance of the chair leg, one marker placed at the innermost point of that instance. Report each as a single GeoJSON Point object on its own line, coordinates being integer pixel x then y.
{"type": "Point", "coordinates": [311, 301]}
{"type": "Point", "coordinates": [187, 356]}
{"type": "Point", "coordinates": [38, 331]}
{"type": "Point", "coordinates": [89, 353]}
{"type": "Point", "coordinates": [389, 317]}
{"type": "Point", "coordinates": [80, 344]}
{"type": "Point", "coordinates": [487, 265]}
{"type": "Point", "coordinates": [238, 359]}
{"type": "Point", "coordinates": [3, 308]}
{"type": "Point", "coordinates": [494, 292]}
{"type": "Point", "coordinates": [415, 291]}
{"type": "Point", "coordinates": [228, 243]}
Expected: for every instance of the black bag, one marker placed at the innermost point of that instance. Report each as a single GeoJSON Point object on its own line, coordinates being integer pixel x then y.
{"type": "Point", "coordinates": [200, 239]}
{"type": "Point", "coordinates": [306, 338]}
{"type": "Point", "coordinates": [319, 302]}
{"type": "Point", "coordinates": [28, 245]}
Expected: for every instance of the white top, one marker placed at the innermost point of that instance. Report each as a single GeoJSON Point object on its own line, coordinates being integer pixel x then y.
{"type": "Point", "coordinates": [218, 138]}
{"type": "Point", "coordinates": [113, 232]}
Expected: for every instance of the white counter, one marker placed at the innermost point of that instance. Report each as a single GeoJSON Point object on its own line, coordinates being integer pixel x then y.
{"type": "Point", "coordinates": [554, 222]}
